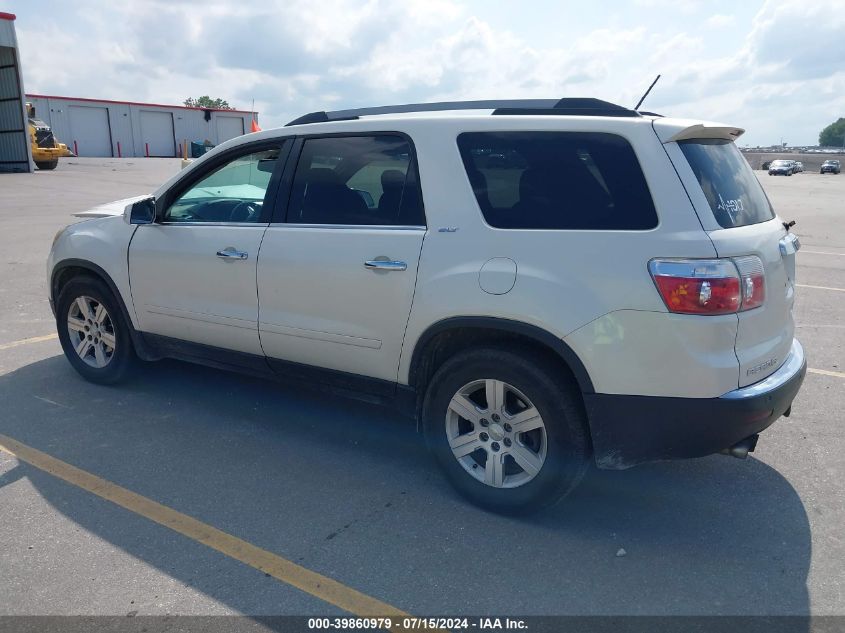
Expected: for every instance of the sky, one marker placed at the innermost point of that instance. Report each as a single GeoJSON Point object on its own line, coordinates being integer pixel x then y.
{"type": "Point", "coordinates": [775, 68]}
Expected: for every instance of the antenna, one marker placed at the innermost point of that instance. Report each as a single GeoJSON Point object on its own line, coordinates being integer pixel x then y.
{"type": "Point", "coordinates": [640, 102]}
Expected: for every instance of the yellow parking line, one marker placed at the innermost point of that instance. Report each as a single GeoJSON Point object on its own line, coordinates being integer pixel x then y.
{"type": "Point", "coordinates": [280, 568]}
{"type": "Point", "coordinates": [821, 287]}
{"type": "Point", "coordinates": [826, 372]}
{"type": "Point", "coordinates": [27, 341]}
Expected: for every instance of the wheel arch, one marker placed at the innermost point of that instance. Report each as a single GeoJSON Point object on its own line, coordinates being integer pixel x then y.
{"type": "Point", "coordinates": [65, 270]}
{"type": "Point", "coordinates": [449, 336]}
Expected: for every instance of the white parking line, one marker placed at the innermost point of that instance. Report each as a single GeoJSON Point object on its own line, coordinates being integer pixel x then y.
{"type": "Point", "coordinates": [48, 401]}
{"type": "Point", "coordinates": [826, 372]}
{"type": "Point", "coordinates": [804, 250]}
{"type": "Point", "coordinates": [820, 287]}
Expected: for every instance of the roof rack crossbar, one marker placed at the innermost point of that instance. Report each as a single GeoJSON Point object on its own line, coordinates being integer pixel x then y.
{"type": "Point", "coordinates": [565, 106]}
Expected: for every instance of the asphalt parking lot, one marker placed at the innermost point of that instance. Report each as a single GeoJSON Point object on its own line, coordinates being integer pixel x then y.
{"type": "Point", "coordinates": [345, 490]}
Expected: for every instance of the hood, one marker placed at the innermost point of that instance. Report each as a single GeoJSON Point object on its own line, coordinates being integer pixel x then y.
{"type": "Point", "coordinates": [109, 208]}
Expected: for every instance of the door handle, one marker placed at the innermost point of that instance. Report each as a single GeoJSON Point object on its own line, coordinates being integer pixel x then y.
{"type": "Point", "coordinates": [384, 264]}
{"type": "Point", "coordinates": [231, 253]}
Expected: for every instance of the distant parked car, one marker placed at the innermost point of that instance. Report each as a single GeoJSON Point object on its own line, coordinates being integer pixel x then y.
{"type": "Point", "coordinates": [765, 165]}
{"type": "Point", "coordinates": [781, 168]}
{"type": "Point", "coordinates": [799, 166]}
{"type": "Point", "coordinates": [830, 167]}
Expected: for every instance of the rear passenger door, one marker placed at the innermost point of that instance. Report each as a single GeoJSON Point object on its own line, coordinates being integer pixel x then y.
{"type": "Point", "coordinates": [338, 264]}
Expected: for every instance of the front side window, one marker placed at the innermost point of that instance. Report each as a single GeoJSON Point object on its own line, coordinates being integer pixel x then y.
{"type": "Point", "coordinates": [234, 192]}
{"type": "Point", "coordinates": [557, 180]}
{"type": "Point", "coordinates": [732, 190]}
{"type": "Point", "coordinates": [356, 180]}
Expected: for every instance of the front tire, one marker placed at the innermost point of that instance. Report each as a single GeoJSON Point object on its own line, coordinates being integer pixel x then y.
{"type": "Point", "coordinates": [47, 165]}
{"type": "Point", "coordinates": [92, 331]}
{"type": "Point", "coordinates": [508, 429]}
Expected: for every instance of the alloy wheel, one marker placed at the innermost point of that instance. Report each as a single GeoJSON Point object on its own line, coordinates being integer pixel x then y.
{"type": "Point", "coordinates": [91, 331]}
{"type": "Point", "coordinates": [496, 433]}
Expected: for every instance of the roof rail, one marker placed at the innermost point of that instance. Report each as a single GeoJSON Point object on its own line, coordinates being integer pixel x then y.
{"type": "Point", "coordinates": [566, 106]}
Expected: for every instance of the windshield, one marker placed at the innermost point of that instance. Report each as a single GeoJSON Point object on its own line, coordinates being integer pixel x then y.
{"type": "Point", "coordinates": [731, 188]}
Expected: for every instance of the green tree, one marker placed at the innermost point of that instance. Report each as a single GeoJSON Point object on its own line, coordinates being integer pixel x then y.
{"type": "Point", "coordinates": [834, 134]}
{"type": "Point", "coordinates": [207, 102]}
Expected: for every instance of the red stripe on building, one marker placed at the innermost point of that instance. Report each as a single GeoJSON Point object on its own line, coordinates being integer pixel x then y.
{"type": "Point", "coordinates": [135, 103]}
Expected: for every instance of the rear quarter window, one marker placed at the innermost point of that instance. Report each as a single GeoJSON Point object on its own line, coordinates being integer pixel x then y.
{"type": "Point", "coordinates": [733, 192]}
{"type": "Point", "coordinates": [557, 180]}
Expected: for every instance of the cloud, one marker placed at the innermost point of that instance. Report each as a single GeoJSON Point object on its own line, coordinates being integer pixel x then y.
{"type": "Point", "coordinates": [719, 20]}
{"type": "Point", "coordinates": [684, 6]}
{"type": "Point", "coordinates": [793, 41]}
{"type": "Point", "coordinates": [294, 56]}
{"type": "Point", "coordinates": [783, 75]}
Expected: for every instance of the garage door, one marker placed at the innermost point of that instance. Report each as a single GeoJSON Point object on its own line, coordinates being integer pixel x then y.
{"type": "Point", "coordinates": [157, 131]}
{"type": "Point", "coordinates": [229, 127]}
{"type": "Point", "coordinates": [89, 127]}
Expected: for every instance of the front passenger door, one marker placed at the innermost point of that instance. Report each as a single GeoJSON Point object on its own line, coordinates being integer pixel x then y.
{"type": "Point", "coordinates": [192, 273]}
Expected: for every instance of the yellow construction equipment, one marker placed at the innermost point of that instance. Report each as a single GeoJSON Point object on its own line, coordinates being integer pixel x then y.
{"type": "Point", "coordinates": [45, 148]}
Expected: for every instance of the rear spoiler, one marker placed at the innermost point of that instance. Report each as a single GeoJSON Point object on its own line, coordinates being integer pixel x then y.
{"type": "Point", "coordinates": [669, 130]}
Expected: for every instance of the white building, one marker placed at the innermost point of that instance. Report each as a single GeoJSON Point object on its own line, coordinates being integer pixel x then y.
{"type": "Point", "coordinates": [99, 127]}
{"type": "Point", "coordinates": [15, 152]}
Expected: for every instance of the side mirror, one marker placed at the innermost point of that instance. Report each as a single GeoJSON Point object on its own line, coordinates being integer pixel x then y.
{"type": "Point", "coordinates": [143, 211]}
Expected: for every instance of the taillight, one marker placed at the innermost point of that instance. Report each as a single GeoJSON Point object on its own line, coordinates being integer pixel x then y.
{"type": "Point", "coordinates": [752, 280]}
{"type": "Point", "coordinates": [710, 286]}
{"type": "Point", "coordinates": [697, 286]}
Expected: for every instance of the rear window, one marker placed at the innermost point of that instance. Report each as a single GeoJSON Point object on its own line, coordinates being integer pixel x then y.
{"type": "Point", "coordinates": [731, 188]}
{"type": "Point", "coordinates": [557, 180]}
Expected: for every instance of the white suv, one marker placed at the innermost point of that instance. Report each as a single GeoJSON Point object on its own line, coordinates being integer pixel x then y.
{"type": "Point", "coordinates": [539, 283]}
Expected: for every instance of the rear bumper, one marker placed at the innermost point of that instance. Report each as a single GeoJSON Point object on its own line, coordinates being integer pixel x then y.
{"type": "Point", "coordinates": [629, 430]}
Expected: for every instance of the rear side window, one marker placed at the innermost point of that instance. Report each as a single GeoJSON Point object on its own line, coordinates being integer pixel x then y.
{"type": "Point", "coordinates": [731, 188]}
{"type": "Point", "coordinates": [356, 180]}
{"type": "Point", "coordinates": [557, 180]}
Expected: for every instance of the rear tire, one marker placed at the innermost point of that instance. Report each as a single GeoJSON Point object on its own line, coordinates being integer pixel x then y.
{"type": "Point", "coordinates": [47, 165]}
{"type": "Point", "coordinates": [488, 459]}
{"type": "Point", "coordinates": [93, 332]}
